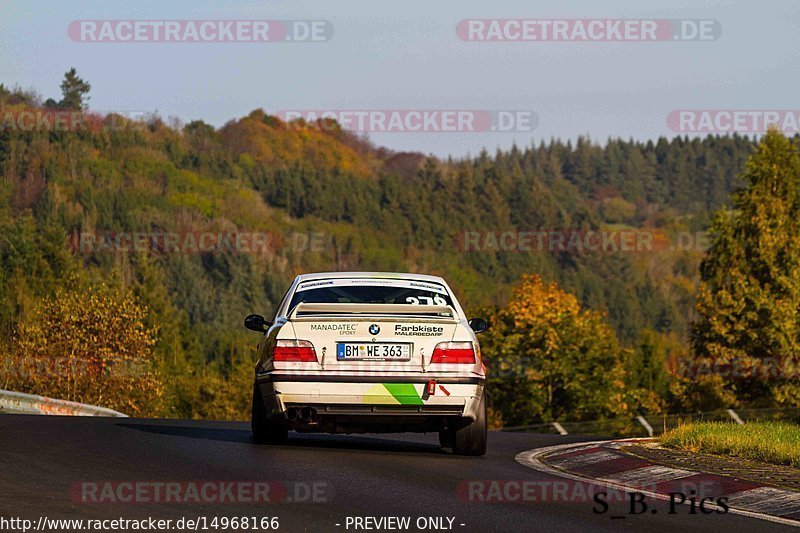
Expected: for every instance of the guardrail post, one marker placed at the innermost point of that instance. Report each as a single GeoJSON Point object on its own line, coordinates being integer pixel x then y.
{"type": "Point", "coordinates": [735, 417]}
{"type": "Point", "coordinates": [560, 428]}
{"type": "Point", "coordinates": [646, 425]}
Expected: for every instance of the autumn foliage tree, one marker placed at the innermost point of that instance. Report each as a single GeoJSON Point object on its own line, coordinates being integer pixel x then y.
{"type": "Point", "coordinates": [748, 329]}
{"type": "Point", "coordinates": [549, 359]}
{"type": "Point", "coordinates": [90, 346]}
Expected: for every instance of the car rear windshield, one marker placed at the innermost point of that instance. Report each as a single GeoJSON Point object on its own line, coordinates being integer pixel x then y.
{"type": "Point", "coordinates": [371, 291]}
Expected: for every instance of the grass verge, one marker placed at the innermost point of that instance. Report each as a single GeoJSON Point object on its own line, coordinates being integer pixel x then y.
{"type": "Point", "coordinates": [770, 442]}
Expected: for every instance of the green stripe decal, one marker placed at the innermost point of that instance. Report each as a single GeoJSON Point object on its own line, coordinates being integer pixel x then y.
{"type": "Point", "coordinates": [405, 393]}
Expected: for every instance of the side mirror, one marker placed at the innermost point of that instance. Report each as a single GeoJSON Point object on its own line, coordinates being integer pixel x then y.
{"type": "Point", "coordinates": [478, 325]}
{"type": "Point", "coordinates": [256, 323]}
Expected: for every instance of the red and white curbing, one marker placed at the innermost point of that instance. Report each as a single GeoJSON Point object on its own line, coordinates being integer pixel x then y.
{"type": "Point", "coordinates": [19, 403]}
{"type": "Point", "coordinates": [601, 463]}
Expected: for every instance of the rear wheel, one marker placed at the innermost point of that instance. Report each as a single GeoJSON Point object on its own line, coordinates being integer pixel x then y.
{"type": "Point", "coordinates": [446, 438]}
{"type": "Point", "coordinates": [266, 430]}
{"type": "Point", "coordinates": [471, 438]}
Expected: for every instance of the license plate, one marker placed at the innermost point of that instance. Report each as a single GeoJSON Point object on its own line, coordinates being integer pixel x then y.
{"type": "Point", "coordinates": [372, 351]}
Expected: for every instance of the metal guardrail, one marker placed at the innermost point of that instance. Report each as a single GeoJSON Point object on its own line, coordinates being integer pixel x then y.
{"type": "Point", "coordinates": [649, 425]}
{"type": "Point", "coordinates": [31, 404]}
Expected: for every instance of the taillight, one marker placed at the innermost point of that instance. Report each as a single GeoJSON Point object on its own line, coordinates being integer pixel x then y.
{"type": "Point", "coordinates": [453, 352]}
{"type": "Point", "coordinates": [295, 351]}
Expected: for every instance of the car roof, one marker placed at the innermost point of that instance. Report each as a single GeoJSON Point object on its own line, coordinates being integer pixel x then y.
{"type": "Point", "coordinates": [379, 275]}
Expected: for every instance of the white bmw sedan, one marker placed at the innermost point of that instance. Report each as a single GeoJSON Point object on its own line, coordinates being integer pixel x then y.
{"type": "Point", "coordinates": [370, 352]}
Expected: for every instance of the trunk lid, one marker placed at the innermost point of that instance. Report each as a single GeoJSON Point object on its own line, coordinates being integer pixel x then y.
{"type": "Point", "coordinates": [370, 332]}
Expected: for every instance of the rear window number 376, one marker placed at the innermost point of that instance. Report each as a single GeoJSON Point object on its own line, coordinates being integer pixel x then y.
{"type": "Point", "coordinates": [426, 300]}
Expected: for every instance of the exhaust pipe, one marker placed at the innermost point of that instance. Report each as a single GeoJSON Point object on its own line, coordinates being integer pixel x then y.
{"type": "Point", "coordinates": [291, 414]}
{"type": "Point", "coordinates": [308, 414]}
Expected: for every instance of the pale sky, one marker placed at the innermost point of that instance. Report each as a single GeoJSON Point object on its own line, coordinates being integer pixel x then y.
{"type": "Point", "coordinates": [407, 56]}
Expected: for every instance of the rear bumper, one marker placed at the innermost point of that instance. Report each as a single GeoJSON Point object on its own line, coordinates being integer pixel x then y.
{"type": "Point", "coordinates": [378, 396]}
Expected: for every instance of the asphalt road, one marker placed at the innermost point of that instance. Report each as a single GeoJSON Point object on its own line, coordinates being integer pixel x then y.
{"type": "Point", "coordinates": [43, 460]}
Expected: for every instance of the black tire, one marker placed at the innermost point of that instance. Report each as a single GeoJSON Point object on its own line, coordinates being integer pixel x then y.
{"type": "Point", "coordinates": [265, 429]}
{"type": "Point", "coordinates": [446, 438]}
{"type": "Point", "coordinates": [471, 439]}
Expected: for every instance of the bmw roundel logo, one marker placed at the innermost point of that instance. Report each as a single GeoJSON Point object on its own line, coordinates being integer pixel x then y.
{"type": "Point", "coordinates": [374, 329]}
